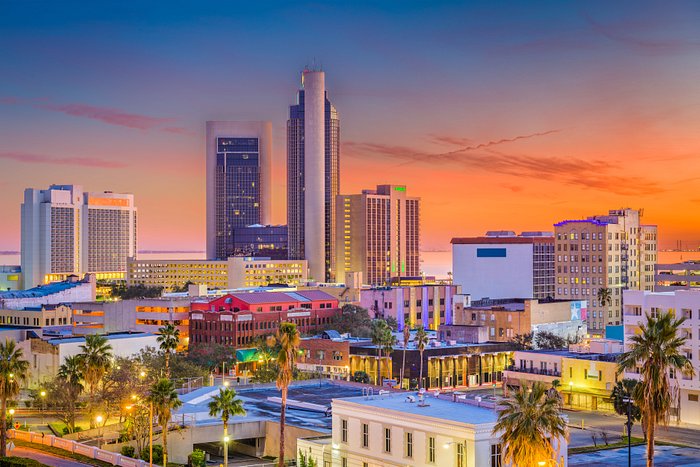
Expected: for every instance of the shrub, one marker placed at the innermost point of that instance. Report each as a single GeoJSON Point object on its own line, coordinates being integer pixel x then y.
{"type": "Point", "coordinates": [198, 458]}
{"type": "Point", "coordinates": [128, 451]}
{"type": "Point", "coordinates": [157, 454]}
{"type": "Point", "coordinates": [19, 462]}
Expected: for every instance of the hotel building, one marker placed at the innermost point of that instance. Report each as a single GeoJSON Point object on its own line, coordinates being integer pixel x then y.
{"type": "Point", "coordinates": [313, 176]}
{"type": "Point", "coordinates": [503, 265]}
{"type": "Point", "coordinates": [614, 252]}
{"type": "Point", "coordinates": [233, 273]}
{"type": "Point", "coordinates": [67, 231]}
{"type": "Point", "coordinates": [683, 303]}
{"type": "Point", "coordinates": [378, 234]}
{"type": "Point", "coordinates": [239, 187]}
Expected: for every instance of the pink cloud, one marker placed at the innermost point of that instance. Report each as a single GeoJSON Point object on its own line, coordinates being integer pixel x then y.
{"type": "Point", "coordinates": [77, 161]}
{"type": "Point", "coordinates": [109, 115]}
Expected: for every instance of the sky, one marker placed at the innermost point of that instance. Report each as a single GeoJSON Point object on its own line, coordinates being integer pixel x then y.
{"type": "Point", "coordinates": [499, 115]}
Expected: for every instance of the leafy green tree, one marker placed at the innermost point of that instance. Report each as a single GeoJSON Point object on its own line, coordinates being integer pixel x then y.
{"type": "Point", "coordinates": [360, 377]}
{"type": "Point", "coordinates": [528, 423]}
{"type": "Point", "coordinates": [352, 319]}
{"type": "Point", "coordinates": [96, 358]}
{"type": "Point", "coordinates": [164, 399]}
{"type": "Point", "coordinates": [288, 339]}
{"type": "Point", "coordinates": [168, 340]}
{"type": "Point", "coordinates": [523, 341]}
{"type": "Point", "coordinates": [153, 361]}
{"type": "Point", "coordinates": [210, 356]}
{"type": "Point", "coordinates": [227, 405]}
{"type": "Point", "coordinates": [14, 371]}
{"type": "Point", "coordinates": [198, 458]}
{"type": "Point", "coordinates": [549, 341]}
{"type": "Point", "coordinates": [392, 323]}
{"type": "Point", "coordinates": [655, 352]}
{"type": "Point", "coordinates": [624, 391]}
{"type": "Point", "coordinates": [421, 341]}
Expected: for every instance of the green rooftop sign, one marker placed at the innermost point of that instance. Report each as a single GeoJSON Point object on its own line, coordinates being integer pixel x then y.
{"type": "Point", "coordinates": [399, 188]}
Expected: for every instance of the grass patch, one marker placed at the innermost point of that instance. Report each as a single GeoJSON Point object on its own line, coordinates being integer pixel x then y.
{"type": "Point", "coordinates": [603, 447]}
{"type": "Point", "coordinates": [61, 453]}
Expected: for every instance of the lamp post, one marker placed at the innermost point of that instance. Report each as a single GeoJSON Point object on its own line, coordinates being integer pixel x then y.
{"type": "Point", "coordinates": [628, 401]}
{"type": "Point", "coordinates": [226, 440]}
{"type": "Point", "coordinates": [99, 420]}
{"type": "Point", "coordinates": [43, 399]}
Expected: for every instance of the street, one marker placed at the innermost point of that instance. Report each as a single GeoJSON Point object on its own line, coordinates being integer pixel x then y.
{"type": "Point", "coordinates": [45, 458]}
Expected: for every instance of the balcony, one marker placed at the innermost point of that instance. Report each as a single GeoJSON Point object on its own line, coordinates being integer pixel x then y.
{"type": "Point", "coordinates": [534, 371]}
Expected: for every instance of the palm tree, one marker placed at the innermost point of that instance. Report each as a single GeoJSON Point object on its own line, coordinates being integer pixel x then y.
{"type": "Point", "coordinates": [622, 394]}
{"type": "Point", "coordinates": [528, 422]}
{"type": "Point", "coordinates": [655, 352]}
{"type": "Point", "coordinates": [604, 296]}
{"type": "Point", "coordinates": [13, 372]}
{"type": "Point", "coordinates": [169, 339]}
{"type": "Point", "coordinates": [164, 399]}
{"type": "Point", "coordinates": [381, 337]}
{"type": "Point", "coordinates": [406, 339]}
{"type": "Point", "coordinates": [96, 358]}
{"type": "Point", "coordinates": [288, 340]}
{"type": "Point", "coordinates": [421, 341]}
{"type": "Point", "coordinates": [71, 376]}
{"type": "Point", "coordinates": [228, 406]}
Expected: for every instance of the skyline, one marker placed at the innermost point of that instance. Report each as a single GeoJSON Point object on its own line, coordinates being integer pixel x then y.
{"type": "Point", "coordinates": [603, 103]}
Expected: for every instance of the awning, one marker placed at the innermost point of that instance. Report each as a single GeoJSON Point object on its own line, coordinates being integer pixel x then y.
{"type": "Point", "coordinates": [246, 355]}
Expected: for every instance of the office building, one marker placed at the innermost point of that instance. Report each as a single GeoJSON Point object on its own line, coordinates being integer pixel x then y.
{"type": "Point", "coordinates": [412, 429]}
{"type": "Point", "coordinates": [232, 273]}
{"type": "Point", "coordinates": [678, 276]}
{"type": "Point", "coordinates": [429, 305]}
{"type": "Point", "coordinates": [67, 231]}
{"type": "Point", "coordinates": [502, 320]}
{"type": "Point", "coordinates": [266, 241]}
{"type": "Point", "coordinates": [239, 188]}
{"type": "Point", "coordinates": [313, 176]}
{"type": "Point", "coordinates": [614, 252]}
{"type": "Point", "coordinates": [10, 278]}
{"type": "Point", "coordinates": [378, 234]}
{"type": "Point", "coordinates": [238, 319]}
{"type": "Point", "coordinates": [683, 303]}
{"type": "Point", "coordinates": [503, 265]}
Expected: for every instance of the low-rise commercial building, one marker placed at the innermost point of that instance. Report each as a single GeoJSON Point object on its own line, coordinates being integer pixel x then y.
{"type": "Point", "coordinates": [504, 319]}
{"type": "Point", "coordinates": [678, 276]}
{"type": "Point", "coordinates": [233, 273]}
{"type": "Point", "coordinates": [427, 305]}
{"type": "Point", "coordinates": [38, 316]}
{"type": "Point", "coordinates": [585, 379]}
{"type": "Point", "coordinates": [327, 356]}
{"type": "Point", "coordinates": [683, 303]}
{"type": "Point", "coordinates": [502, 265]}
{"type": "Point", "coordinates": [401, 429]}
{"type": "Point", "coordinates": [46, 354]}
{"type": "Point", "coordinates": [238, 319]}
{"type": "Point", "coordinates": [71, 290]}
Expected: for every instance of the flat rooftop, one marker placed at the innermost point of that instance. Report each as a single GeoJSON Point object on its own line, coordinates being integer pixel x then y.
{"type": "Point", "coordinates": [609, 357]}
{"type": "Point", "coordinates": [437, 408]}
{"type": "Point", "coordinates": [259, 408]}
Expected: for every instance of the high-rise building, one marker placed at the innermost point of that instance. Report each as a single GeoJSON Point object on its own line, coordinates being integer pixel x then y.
{"type": "Point", "coordinates": [66, 231]}
{"type": "Point", "coordinates": [313, 150]}
{"type": "Point", "coordinates": [378, 234]}
{"type": "Point", "coordinates": [239, 189]}
{"type": "Point", "coordinates": [612, 252]}
{"type": "Point", "coordinates": [269, 241]}
{"type": "Point", "coordinates": [503, 265]}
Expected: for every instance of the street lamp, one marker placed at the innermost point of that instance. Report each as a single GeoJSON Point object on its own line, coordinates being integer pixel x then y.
{"type": "Point", "coordinates": [99, 420]}
{"type": "Point", "coordinates": [571, 393]}
{"type": "Point", "coordinates": [226, 440]}
{"type": "Point", "coordinates": [43, 399]}
{"type": "Point", "coordinates": [628, 401]}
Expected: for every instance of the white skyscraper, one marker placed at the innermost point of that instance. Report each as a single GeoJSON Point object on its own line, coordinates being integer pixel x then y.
{"type": "Point", "coordinates": [66, 231]}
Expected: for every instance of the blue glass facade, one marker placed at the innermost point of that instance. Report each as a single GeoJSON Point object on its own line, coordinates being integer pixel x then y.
{"type": "Point", "coordinates": [267, 241]}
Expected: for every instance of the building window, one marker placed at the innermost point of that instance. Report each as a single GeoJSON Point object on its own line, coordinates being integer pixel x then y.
{"type": "Point", "coordinates": [431, 449]}
{"type": "Point", "coordinates": [409, 445]}
{"type": "Point", "coordinates": [343, 462]}
{"type": "Point", "coordinates": [496, 455]}
{"type": "Point", "coordinates": [365, 435]}
{"type": "Point", "coordinates": [344, 430]}
{"type": "Point", "coordinates": [460, 455]}
{"type": "Point", "coordinates": [387, 439]}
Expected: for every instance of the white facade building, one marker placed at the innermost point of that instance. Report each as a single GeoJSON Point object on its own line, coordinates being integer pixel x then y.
{"type": "Point", "coordinates": [68, 291]}
{"type": "Point", "coordinates": [684, 303]}
{"type": "Point", "coordinates": [396, 430]}
{"type": "Point", "coordinates": [67, 231]}
{"type": "Point", "coordinates": [503, 265]}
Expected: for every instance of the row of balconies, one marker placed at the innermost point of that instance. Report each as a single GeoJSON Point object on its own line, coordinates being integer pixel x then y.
{"type": "Point", "coordinates": [534, 371]}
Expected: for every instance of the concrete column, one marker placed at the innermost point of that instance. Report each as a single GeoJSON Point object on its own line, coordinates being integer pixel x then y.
{"type": "Point", "coordinates": [314, 173]}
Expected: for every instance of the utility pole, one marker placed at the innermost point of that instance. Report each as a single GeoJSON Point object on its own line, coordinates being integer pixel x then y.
{"type": "Point", "coordinates": [150, 434]}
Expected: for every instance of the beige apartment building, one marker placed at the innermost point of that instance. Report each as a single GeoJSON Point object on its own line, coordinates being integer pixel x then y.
{"type": "Point", "coordinates": [233, 273]}
{"type": "Point", "coordinates": [37, 316]}
{"type": "Point", "coordinates": [378, 234]}
{"type": "Point", "coordinates": [615, 252]}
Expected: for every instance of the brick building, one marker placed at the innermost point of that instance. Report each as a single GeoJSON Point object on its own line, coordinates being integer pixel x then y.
{"type": "Point", "coordinates": [328, 355]}
{"type": "Point", "coordinates": [237, 319]}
